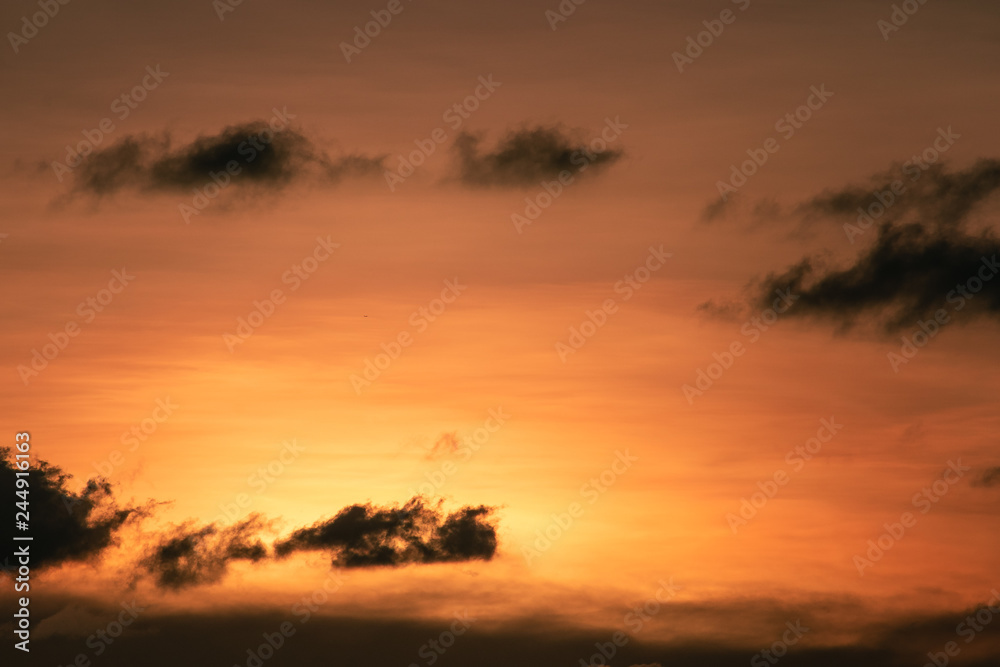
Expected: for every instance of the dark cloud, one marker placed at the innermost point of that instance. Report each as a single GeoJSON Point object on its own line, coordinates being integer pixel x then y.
{"type": "Point", "coordinates": [116, 167]}
{"type": "Point", "coordinates": [79, 527]}
{"type": "Point", "coordinates": [717, 208]}
{"type": "Point", "coordinates": [936, 196]}
{"type": "Point", "coordinates": [988, 478]}
{"type": "Point", "coordinates": [924, 255]}
{"type": "Point", "coordinates": [261, 161]}
{"type": "Point", "coordinates": [64, 526]}
{"type": "Point", "coordinates": [188, 556]}
{"type": "Point", "coordinates": [526, 156]}
{"type": "Point", "coordinates": [368, 536]}
{"type": "Point", "coordinates": [907, 274]}
{"type": "Point", "coordinates": [263, 157]}
{"type": "Point", "coordinates": [165, 636]}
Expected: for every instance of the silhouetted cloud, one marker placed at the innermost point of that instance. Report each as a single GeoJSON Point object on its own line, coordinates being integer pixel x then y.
{"type": "Point", "coordinates": [250, 154]}
{"type": "Point", "coordinates": [936, 195]}
{"type": "Point", "coordinates": [189, 556]}
{"type": "Point", "coordinates": [64, 526]}
{"type": "Point", "coordinates": [908, 274]}
{"type": "Point", "coordinates": [988, 478]}
{"type": "Point", "coordinates": [167, 635]}
{"type": "Point", "coordinates": [79, 527]}
{"type": "Point", "coordinates": [527, 156]}
{"type": "Point", "coordinates": [924, 255]}
{"type": "Point", "coordinates": [368, 536]}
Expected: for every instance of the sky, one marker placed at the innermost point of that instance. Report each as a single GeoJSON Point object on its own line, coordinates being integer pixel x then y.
{"type": "Point", "coordinates": [561, 333]}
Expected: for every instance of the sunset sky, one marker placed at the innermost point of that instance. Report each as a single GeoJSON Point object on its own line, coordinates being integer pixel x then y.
{"type": "Point", "coordinates": [658, 329]}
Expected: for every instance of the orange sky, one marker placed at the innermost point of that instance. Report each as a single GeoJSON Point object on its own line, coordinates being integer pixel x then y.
{"type": "Point", "coordinates": [494, 348]}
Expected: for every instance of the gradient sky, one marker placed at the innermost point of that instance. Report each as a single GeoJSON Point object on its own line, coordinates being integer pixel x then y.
{"type": "Point", "coordinates": [495, 349]}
